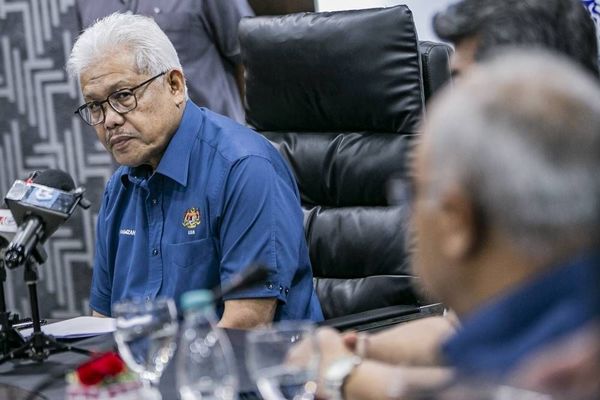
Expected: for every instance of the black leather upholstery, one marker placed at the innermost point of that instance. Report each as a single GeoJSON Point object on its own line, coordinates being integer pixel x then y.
{"type": "Point", "coordinates": [340, 95]}
{"type": "Point", "coordinates": [303, 71]}
{"type": "Point", "coordinates": [356, 242]}
{"type": "Point", "coordinates": [435, 58]}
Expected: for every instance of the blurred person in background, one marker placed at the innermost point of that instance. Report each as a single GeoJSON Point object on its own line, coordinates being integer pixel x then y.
{"type": "Point", "coordinates": [505, 218]}
{"type": "Point", "coordinates": [478, 27]}
{"type": "Point", "coordinates": [205, 35]}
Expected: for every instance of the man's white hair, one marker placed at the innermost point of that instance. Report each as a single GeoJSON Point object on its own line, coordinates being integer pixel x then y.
{"type": "Point", "coordinates": [152, 50]}
{"type": "Point", "coordinates": [522, 135]}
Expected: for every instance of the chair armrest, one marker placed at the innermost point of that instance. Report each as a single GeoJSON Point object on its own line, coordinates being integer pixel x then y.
{"type": "Point", "coordinates": [383, 317]}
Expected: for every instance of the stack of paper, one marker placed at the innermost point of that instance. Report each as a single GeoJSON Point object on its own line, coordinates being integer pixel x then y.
{"type": "Point", "coordinates": [78, 327]}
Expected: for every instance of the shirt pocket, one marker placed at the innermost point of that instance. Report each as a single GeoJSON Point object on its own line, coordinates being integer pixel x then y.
{"type": "Point", "coordinates": [189, 254]}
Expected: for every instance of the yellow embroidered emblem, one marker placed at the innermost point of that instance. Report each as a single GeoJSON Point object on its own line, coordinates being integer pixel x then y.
{"type": "Point", "coordinates": [191, 218]}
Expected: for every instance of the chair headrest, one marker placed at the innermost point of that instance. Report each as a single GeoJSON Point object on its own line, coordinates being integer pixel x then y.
{"type": "Point", "coordinates": [336, 71]}
{"type": "Point", "coordinates": [435, 60]}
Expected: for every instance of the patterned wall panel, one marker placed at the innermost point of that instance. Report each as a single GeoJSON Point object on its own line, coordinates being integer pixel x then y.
{"type": "Point", "coordinates": [38, 130]}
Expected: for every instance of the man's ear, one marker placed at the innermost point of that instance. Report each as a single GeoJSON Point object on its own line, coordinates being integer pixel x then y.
{"type": "Point", "coordinates": [459, 225]}
{"type": "Point", "coordinates": [176, 82]}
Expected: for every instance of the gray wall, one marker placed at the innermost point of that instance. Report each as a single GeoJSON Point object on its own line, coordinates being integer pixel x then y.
{"type": "Point", "coordinates": [38, 130]}
{"type": "Point", "coordinates": [423, 10]}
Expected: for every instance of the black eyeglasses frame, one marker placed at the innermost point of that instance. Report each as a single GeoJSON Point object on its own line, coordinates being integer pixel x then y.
{"type": "Point", "coordinates": [107, 100]}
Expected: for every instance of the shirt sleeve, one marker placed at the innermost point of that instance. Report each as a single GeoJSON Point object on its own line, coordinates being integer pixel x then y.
{"type": "Point", "coordinates": [100, 296]}
{"type": "Point", "coordinates": [261, 223]}
{"type": "Point", "coordinates": [222, 18]}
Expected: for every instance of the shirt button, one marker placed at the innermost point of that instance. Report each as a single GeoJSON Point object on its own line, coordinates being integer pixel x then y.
{"type": "Point", "coordinates": [155, 252]}
{"type": "Point", "coordinates": [154, 201]}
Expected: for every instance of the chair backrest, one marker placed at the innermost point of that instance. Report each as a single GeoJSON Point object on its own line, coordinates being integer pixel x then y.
{"type": "Point", "coordinates": [435, 58]}
{"type": "Point", "coordinates": [340, 94]}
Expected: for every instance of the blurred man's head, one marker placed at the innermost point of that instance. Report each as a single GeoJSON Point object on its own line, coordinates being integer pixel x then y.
{"type": "Point", "coordinates": [506, 176]}
{"type": "Point", "coordinates": [478, 27]}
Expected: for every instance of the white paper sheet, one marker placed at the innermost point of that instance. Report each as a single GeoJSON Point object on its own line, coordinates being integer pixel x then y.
{"type": "Point", "coordinates": [78, 327]}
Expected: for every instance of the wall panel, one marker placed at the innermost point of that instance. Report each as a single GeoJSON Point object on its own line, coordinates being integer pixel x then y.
{"type": "Point", "coordinates": [38, 130]}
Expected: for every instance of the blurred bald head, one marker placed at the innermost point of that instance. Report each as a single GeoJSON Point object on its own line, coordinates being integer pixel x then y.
{"type": "Point", "coordinates": [522, 135]}
{"type": "Point", "coordinates": [507, 174]}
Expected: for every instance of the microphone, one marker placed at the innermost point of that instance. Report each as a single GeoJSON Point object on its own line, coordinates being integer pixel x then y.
{"type": "Point", "coordinates": [54, 178]}
{"type": "Point", "coordinates": [39, 206]}
{"type": "Point", "coordinates": [255, 273]}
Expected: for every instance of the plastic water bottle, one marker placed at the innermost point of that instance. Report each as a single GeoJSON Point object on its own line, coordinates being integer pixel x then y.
{"type": "Point", "coordinates": [205, 362]}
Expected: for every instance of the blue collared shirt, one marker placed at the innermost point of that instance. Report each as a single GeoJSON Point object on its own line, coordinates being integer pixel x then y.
{"type": "Point", "coordinates": [497, 337]}
{"type": "Point", "coordinates": [220, 199]}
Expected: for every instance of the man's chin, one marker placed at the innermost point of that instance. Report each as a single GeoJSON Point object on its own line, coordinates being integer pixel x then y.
{"type": "Point", "coordinates": [125, 158]}
{"type": "Point", "coordinates": [126, 161]}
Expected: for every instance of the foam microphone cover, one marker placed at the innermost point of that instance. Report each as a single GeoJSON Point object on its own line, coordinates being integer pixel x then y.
{"type": "Point", "coordinates": [55, 178]}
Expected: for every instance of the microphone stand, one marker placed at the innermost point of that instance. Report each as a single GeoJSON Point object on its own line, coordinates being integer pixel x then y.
{"type": "Point", "coordinates": [39, 345]}
{"type": "Point", "coordinates": [9, 337]}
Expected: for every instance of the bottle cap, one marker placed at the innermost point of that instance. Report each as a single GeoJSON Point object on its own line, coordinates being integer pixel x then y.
{"type": "Point", "coordinates": [196, 299]}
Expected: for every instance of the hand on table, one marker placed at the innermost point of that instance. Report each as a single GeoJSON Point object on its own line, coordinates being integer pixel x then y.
{"type": "Point", "coordinates": [332, 346]}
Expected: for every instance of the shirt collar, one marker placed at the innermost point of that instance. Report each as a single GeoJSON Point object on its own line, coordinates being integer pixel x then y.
{"type": "Point", "coordinates": [176, 158]}
{"type": "Point", "coordinates": [501, 321]}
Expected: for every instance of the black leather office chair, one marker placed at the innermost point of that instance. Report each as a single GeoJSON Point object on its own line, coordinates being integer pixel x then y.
{"type": "Point", "coordinates": [341, 94]}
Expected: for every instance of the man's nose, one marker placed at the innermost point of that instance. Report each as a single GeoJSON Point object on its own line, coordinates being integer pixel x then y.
{"type": "Point", "coordinates": [112, 118]}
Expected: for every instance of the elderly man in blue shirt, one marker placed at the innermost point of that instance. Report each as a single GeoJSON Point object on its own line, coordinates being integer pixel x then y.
{"type": "Point", "coordinates": [197, 198]}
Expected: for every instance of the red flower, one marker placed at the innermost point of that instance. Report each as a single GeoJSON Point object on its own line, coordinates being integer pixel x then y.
{"type": "Point", "coordinates": [95, 370]}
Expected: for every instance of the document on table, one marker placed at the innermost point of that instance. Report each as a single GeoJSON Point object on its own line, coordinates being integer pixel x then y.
{"type": "Point", "coordinates": [78, 327]}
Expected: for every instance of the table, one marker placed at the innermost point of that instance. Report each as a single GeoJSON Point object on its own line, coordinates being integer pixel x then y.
{"type": "Point", "coordinates": [20, 377]}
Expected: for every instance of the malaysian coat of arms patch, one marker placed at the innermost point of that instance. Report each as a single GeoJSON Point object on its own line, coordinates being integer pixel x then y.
{"type": "Point", "coordinates": [191, 218]}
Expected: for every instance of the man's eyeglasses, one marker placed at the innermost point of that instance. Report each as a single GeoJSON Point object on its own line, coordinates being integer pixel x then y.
{"type": "Point", "coordinates": [122, 101]}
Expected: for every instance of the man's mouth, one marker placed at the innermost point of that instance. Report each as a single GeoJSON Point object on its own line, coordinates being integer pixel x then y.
{"type": "Point", "coordinates": [119, 142]}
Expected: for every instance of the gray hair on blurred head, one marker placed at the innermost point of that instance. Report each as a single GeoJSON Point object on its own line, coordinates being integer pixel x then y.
{"type": "Point", "coordinates": [521, 134]}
